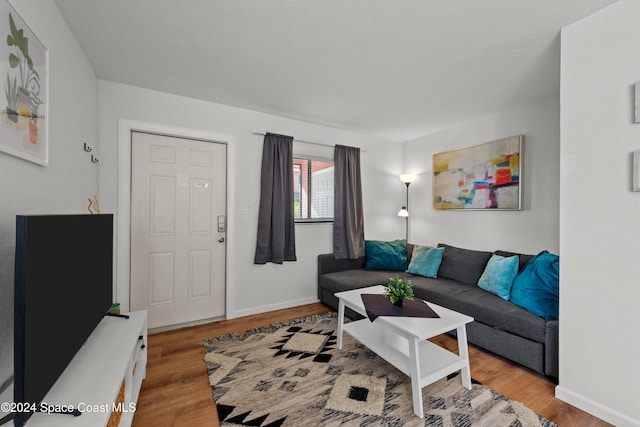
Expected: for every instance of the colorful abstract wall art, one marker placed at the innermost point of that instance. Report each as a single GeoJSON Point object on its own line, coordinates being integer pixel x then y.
{"type": "Point", "coordinates": [485, 176]}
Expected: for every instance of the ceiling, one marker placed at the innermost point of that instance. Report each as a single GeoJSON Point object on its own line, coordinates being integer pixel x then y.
{"type": "Point", "coordinates": [395, 69]}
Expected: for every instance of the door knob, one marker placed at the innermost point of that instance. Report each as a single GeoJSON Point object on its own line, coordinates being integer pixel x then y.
{"type": "Point", "coordinates": [221, 239]}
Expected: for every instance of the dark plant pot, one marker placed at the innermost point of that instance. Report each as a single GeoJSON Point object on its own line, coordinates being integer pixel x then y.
{"type": "Point", "coordinates": [398, 303]}
{"type": "Point", "coordinates": [13, 115]}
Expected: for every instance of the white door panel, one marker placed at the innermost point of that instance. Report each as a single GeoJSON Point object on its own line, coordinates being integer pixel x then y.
{"type": "Point", "coordinates": [178, 193]}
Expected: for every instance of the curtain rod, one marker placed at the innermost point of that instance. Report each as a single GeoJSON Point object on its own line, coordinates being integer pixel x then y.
{"type": "Point", "coordinates": [259, 132]}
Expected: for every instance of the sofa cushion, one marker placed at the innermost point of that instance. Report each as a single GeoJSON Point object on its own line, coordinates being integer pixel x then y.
{"type": "Point", "coordinates": [425, 261]}
{"type": "Point", "coordinates": [481, 305]}
{"type": "Point", "coordinates": [410, 247]}
{"type": "Point", "coordinates": [523, 259]}
{"type": "Point", "coordinates": [537, 287]}
{"type": "Point", "coordinates": [498, 275]}
{"type": "Point", "coordinates": [385, 255]}
{"type": "Point", "coordinates": [462, 265]}
{"type": "Point", "coordinates": [360, 278]}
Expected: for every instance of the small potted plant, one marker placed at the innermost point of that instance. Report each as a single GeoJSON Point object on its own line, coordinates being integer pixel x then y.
{"type": "Point", "coordinates": [398, 289]}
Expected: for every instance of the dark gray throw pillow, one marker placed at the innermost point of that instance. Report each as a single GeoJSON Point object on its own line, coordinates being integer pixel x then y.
{"type": "Point", "coordinates": [523, 259]}
{"type": "Point", "coordinates": [462, 265]}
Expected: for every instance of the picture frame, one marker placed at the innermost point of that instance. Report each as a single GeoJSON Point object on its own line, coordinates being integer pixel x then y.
{"type": "Point", "coordinates": [636, 171]}
{"type": "Point", "coordinates": [637, 102]}
{"type": "Point", "coordinates": [24, 74]}
{"type": "Point", "coordinates": [487, 176]}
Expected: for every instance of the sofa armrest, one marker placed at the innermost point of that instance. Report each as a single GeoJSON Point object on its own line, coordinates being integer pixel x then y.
{"type": "Point", "coordinates": [327, 263]}
{"type": "Point", "coordinates": [551, 344]}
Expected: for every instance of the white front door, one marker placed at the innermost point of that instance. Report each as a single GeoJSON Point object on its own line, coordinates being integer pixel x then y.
{"type": "Point", "coordinates": [178, 228]}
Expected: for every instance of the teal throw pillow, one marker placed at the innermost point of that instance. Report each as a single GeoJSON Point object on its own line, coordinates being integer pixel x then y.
{"type": "Point", "coordinates": [537, 287]}
{"type": "Point", "coordinates": [425, 261]}
{"type": "Point", "coordinates": [381, 255]}
{"type": "Point", "coordinates": [498, 275]}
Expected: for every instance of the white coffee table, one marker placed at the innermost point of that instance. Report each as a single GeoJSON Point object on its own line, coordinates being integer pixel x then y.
{"type": "Point", "coordinates": [402, 341]}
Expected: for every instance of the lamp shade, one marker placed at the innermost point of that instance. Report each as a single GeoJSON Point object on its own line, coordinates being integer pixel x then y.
{"type": "Point", "coordinates": [407, 178]}
{"type": "Point", "coordinates": [403, 212]}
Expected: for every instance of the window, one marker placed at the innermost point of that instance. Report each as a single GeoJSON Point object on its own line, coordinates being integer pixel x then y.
{"type": "Point", "coordinates": [312, 189]}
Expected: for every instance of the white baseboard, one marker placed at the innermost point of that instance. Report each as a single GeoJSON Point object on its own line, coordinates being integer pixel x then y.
{"type": "Point", "coordinates": [184, 325]}
{"type": "Point", "coordinates": [596, 409]}
{"type": "Point", "coordinates": [271, 307]}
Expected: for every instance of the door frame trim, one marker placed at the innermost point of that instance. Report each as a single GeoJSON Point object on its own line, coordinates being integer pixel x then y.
{"type": "Point", "coordinates": [122, 236]}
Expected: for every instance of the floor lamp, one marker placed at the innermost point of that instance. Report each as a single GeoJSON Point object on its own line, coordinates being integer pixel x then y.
{"type": "Point", "coordinates": [404, 211]}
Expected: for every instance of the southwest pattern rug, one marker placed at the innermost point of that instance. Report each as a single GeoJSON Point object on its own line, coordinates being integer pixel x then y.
{"type": "Point", "coordinates": [293, 375]}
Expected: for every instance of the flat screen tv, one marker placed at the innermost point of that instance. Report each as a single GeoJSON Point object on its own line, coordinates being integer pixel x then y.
{"type": "Point", "coordinates": [63, 289]}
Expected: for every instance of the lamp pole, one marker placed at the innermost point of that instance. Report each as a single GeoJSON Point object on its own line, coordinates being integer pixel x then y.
{"type": "Point", "coordinates": [406, 179]}
{"type": "Point", "coordinates": [407, 217]}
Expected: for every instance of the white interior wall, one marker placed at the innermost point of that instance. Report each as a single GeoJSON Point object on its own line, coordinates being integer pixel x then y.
{"type": "Point", "coordinates": [251, 288]}
{"type": "Point", "coordinates": [70, 179]}
{"type": "Point", "coordinates": [599, 293]}
{"type": "Point", "coordinates": [598, 351]}
{"type": "Point", "coordinates": [530, 230]}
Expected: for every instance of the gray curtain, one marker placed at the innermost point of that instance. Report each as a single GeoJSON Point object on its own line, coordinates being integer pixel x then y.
{"type": "Point", "coordinates": [276, 226]}
{"type": "Point", "coordinates": [348, 221]}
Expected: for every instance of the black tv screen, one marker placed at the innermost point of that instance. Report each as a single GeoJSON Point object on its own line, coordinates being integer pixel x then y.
{"type": "Point", "coordinates": [63, 288]}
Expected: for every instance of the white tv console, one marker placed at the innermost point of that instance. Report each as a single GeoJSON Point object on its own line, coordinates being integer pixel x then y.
{"type": "Point", "coordinates": [116, 351]}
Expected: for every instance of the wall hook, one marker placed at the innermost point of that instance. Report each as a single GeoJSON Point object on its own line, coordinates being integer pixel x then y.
{"type": "Point", "coordinates": [87, 148]}
{"type": "Point", "coordinates": [94, 159]}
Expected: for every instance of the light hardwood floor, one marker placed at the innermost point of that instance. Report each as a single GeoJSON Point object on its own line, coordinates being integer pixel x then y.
{"type": "Point", "coordinates": [176, 391]}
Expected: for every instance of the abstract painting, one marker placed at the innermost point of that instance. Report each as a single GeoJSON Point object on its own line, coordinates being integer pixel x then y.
{"type": "Point", "coordinates": [24, 74]}
{"type": "Point", "coordinates": [485, 176]}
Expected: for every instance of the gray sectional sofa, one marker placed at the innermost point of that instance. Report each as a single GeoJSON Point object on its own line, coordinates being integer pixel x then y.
{"type": "Point", "coordinates": [500, 326]}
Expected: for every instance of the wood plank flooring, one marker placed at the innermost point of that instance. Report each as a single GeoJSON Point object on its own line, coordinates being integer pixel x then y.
{"type": "Point", "coordinates": [176, 391]}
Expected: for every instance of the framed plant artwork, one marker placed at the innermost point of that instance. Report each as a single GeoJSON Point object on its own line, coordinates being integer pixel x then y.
{"type": "Point", "coordinates": [24, 75]}
{"type": "Point", "coordinates": [481, 177]}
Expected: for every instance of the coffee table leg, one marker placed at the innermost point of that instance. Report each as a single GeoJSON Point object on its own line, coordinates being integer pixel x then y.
{"type": "Point", "coordinates": [416, 390]}
{"type": "Point", "coordinates": [463, 352]}
{"type": "Point", "coordinates": [340, 323]}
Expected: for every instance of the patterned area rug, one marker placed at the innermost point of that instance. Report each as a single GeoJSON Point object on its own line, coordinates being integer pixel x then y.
{"type": "Point", "coordinates": [293, 375]}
